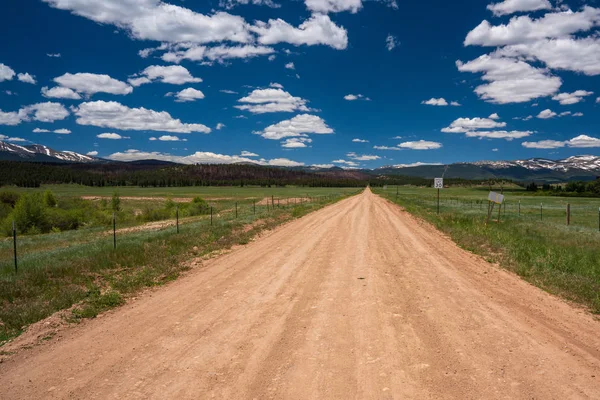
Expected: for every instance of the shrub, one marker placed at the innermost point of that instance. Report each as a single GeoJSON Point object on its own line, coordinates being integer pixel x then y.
{"type": "Point", "coordinates": [50, 199]}
{"type": "Point", "coordinates": [30, 214]}
{"type": "Point", "coordinates": [9, 198]}
{"type": "Point", "coordinates": [115, 202]}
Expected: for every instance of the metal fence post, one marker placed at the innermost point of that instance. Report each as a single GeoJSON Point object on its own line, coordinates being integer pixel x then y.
{"type": "Point", "coordinates": [114, 231]}
{"type": "Point", "coordinates": [14, 228]}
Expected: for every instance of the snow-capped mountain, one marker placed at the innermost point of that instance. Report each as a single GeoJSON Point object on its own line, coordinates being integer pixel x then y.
{"type": "Point", "coordinates": [37, 152]}
{"type": "Point", "coordinates": [587, 163]}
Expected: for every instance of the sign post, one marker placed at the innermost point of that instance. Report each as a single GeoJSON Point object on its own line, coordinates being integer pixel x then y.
{"type": "Point", "coordinates": [493, 199]}
{"type": "Point", "coordinates": [438, 183]}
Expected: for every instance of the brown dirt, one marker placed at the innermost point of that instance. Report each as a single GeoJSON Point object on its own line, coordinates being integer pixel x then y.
{"type": "Point", "coordinates": [356, 301]}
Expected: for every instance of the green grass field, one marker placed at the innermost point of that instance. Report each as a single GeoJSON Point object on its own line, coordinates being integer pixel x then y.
{"type": "Point", "coordinates": [537, 245]}
{"type": "Point", "coordinates": [80, 267]}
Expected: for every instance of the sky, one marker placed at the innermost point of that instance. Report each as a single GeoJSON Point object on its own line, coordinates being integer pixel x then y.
{"type": "Point", "coordinates": [347, 83]}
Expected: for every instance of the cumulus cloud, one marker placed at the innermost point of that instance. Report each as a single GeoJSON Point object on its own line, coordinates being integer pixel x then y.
{"type": "Point", "coordinates": [12, 139]}
{"type": "Point", "coordinates": [415, 164]}
{"type": "Point", "coordinates": [228, 91]}
{"type": "Point", "coordinates": [364, 157]}
{"type": "Point", "coordinates": [216, 53]}
{"type": "Point", "coordinates": [89, 84]}
{"type": "Point", "coordinates": [327, 6]}
{"type": "Point", "coordinates": [189, 94]}
{"type": "Point", "coordinates": [276, 85]}
{"type": "Point", "coordinates": [546, 114]}
{"type": "Point", "coordinates": [525, 30]}
{"type": "Point", "coordinates": [60, 93]}
{"type": "Point", "coordinates": [6, 73]}
{"type": "Point", "coordinates": [290, 65]}
{"type": "Point", "coordinates": [353, 97]}
{"type": "Point", "coordinates": [229, 4]}
{"type": "Point", "coordinates": [420, 145]}
{"type": "Point", "coordinates": [581, 141]}
{"type": "Point", "coordinates": [510, 80]}
{"type": "Point", "coordinates": [317, 30]}
{"type": "Point", "coordinates": [173, 74]}
{"type": "Point", "coordinates": [324, 166]}
{"type": "Point", "coordinates": [54, 55]}
{"type": "Point", "coordinates": [9, 118]}
{"type": "Point", "coordinates": [346, 162]}
{"type": "Point", "coordinates": [248, 154]}
{"type": "Point", "coordinates": [220, 126]}
{"type": "Point", "coordinates": [92, 153]}
{"type": "Point", "coordinates": [299, 126]}
{"type": "Point", "coordinates": [494, 116]}
{"type": "Point", "coordinates": [391, 42]}
{"type": "Point", "coordinates": [199, 157]}
{"type": "Point", "coordinates": [262, 101]}
{"type": "Point", "coordinates": [296, 142]}
{"type": "Point", "coordinates": [62, 131]}
{"type": "Point", "coordinates": [43, 112]}
{"type": "Point", "coordinates": [437, 102]}
{"type": "Point", "coordinates": [463, 125]}
{"type": "Point", "coordinates": [118, 116]}
{"type": "Point", "coordinates": [360, 141]}
{"type": "Point", "coordinates": [507, 7]}
{"type": "Point", "coordinates": [111, 136]}
{"type": "Point", "coordinates": [572, 98]}
{"type": "Point", "coordinates": [27, 78]}
{"type": "Point", "coordinates": [508, 135]}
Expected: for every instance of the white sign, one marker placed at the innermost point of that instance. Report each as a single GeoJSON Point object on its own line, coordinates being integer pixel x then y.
{"type": "Point", "coordinates": [496, 197]}
{"type": "Point", "coordinates": [438, 183]}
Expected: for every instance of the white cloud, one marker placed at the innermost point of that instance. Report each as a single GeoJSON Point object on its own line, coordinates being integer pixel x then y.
{"type": "Point", "coordinates": [386, 148]}
{"type": "Point", "coordinates": [512, 6]}
{"type": "Point", "coordinates": [546, 114]}
{"type": "Point", "coordinates": [189, 94]}
{"type": "Point", "coordinates": [276, 85]}
{"type": "Point", "coordinates": [169, 138]}
{"type": "Point", "coordinates": [27, 78]}
{"type": "Point", "coordinates": [12, 139]}
{"type": "Point", "coordinates": [92, 153]}
{"type": "Point", "coordinates": [117, 116]}
{"type": "Point", "coordinates": [227, 91]}
{"type": "Point", "coordinates": [581, 141]}
{"type": "Point", "coordinates": [544, 144]}
{"type": "Point", "coordinates": [353, 97]}
{"type": "Point", "coordinates": [494, 149]}
{"type": "Point", "coordinates": [229, 4]}
{"type": "Point", "coordinates": [345, 162]}
{"type": "Point", "coordinates": [296, 142]}
{"type": "Point", "coordinates": [435, 102]}
{"type": "Point", "coordinates": [111, 136]}
{"type": "Point", "coordinates": [248, 154]}
{"type": "Point", "coordinates": [324, 166]}
{"type": "Point", "coordinates": [564, 114]}
{"type": "Point", "coordinates": [44, 112]}
{"type": "Point", "coordinates": [262, 101]}
{"type": "Point", "coordinates": [579, 55]}
{"type": "Point", "coordinates": [299, 126]}
{"type": "Point", "coordinates": [327, 6]}
{"type": "Point", "coordinates": [391, 42]}
{"type": "Point", "coordinates": [220, 126]}
{"type": "Point", "coordinates": [364, 157]}
{"type": "Point", "coordinates": [415, 164]}
{"type": "Point", "coordinates": [508, 135]}
{"type": "Point", "coordinates": [216, 53]}
{"type": "Point", "coordinates": [463, 125]}
{"type": "Point", "coordinates": [60, 93]}
{"type": "Point", "coordinates": [290, 65]}
{"type": "Point", "coordinates": [525, 30]}
{"type": "Point", "coordinates": [62, 131]}
{"type": "Point", "coordinates": [598, 100]}
{"type": "Point", "coordinates": [318, 29]}
{"type": "Point", "coordinates": [159, 21]}
{"type": "Point", "coordinates": [9, 118]}
{"type": "Point", "coordinates": [420, 145]}
{"type": "Point", "coordinates": [272, 57]}
{"type": "Point", "coordinates": [572, 98]}
{"type": "Point", "coordinates": [198, 158]}
{"type": "Point", "coordinates": [173, 74]}
{"type": "Point", "coordinates": [455, 103]}
{"type": "Point", "coordinates": [39, 130]}
{"type": "Point", "coordinates": [89, 84]}
{"type": "Point", "coordinates": [360, 141]}
{"type": "Point", "coordinates": [578, 114]}
{"type": "Point", "coordinates": [6, 73]}
{"type": "Point", "coordinates": [54, 55]}
{"type": "Point", "coordinates": [510, 80]}
{"type": "Point", "coordinates": [494, 116]}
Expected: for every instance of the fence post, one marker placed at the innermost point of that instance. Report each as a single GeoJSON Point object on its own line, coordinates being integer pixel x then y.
{"type": "Point", "coordinates": [114, 231]}
{"type": "Point", "coordinates": [211, 218]}
{"type": "Point", "coordinates": [568, 214]}
{"type": "Point", "coordinates": [541, 211]}
{"type": "Point", "coordinates": [272, 202]}
{"type": "Point", "coordinates": [236, 212]}
{"type": "Point", "coordinates": [254, 207]}
{"type": "Point", "coordinates": [438, 202]}
{"type": "Point", "coordinates": [519, 208]}
{"type": "Point", "coordinates": [14, 228]}
{"type": "Point", "coordinates": [177, 218]}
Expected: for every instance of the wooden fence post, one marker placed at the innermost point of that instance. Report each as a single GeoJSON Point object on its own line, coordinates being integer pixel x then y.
{"type": "Point", "coordinates": [568, 214]}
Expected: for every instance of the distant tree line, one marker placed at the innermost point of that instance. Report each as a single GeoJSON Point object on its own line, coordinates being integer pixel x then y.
{"type": "Point", "coordinates": [575, 188]}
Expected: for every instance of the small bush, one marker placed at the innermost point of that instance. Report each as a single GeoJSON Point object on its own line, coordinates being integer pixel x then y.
{"type": "Point", "coordinates": [50, 199]}
{"type": "Point", "coordinates": [30, 214]}
{"type": "Point", "coordinates": [9, 198]}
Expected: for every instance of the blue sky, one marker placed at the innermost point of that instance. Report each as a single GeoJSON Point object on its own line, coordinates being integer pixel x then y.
{"type": "Point", "coordinates": [352, 83]}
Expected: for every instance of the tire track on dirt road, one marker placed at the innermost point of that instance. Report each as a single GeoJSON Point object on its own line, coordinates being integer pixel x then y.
{"type": "Point", "coordinates": [358, 300]}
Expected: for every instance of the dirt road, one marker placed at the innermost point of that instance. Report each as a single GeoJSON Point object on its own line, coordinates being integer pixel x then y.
{"type": "Point", "coordinates": [356, 301]}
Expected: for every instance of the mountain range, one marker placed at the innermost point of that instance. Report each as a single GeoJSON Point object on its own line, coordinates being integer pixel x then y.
{"type": "Point", "coordinates": [584, 167]}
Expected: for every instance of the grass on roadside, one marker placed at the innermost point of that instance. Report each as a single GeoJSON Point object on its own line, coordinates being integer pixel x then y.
{"type": "Point", "coordinates": [564, 260]}
{"type": "Point", "coordinates": [95, 277]}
